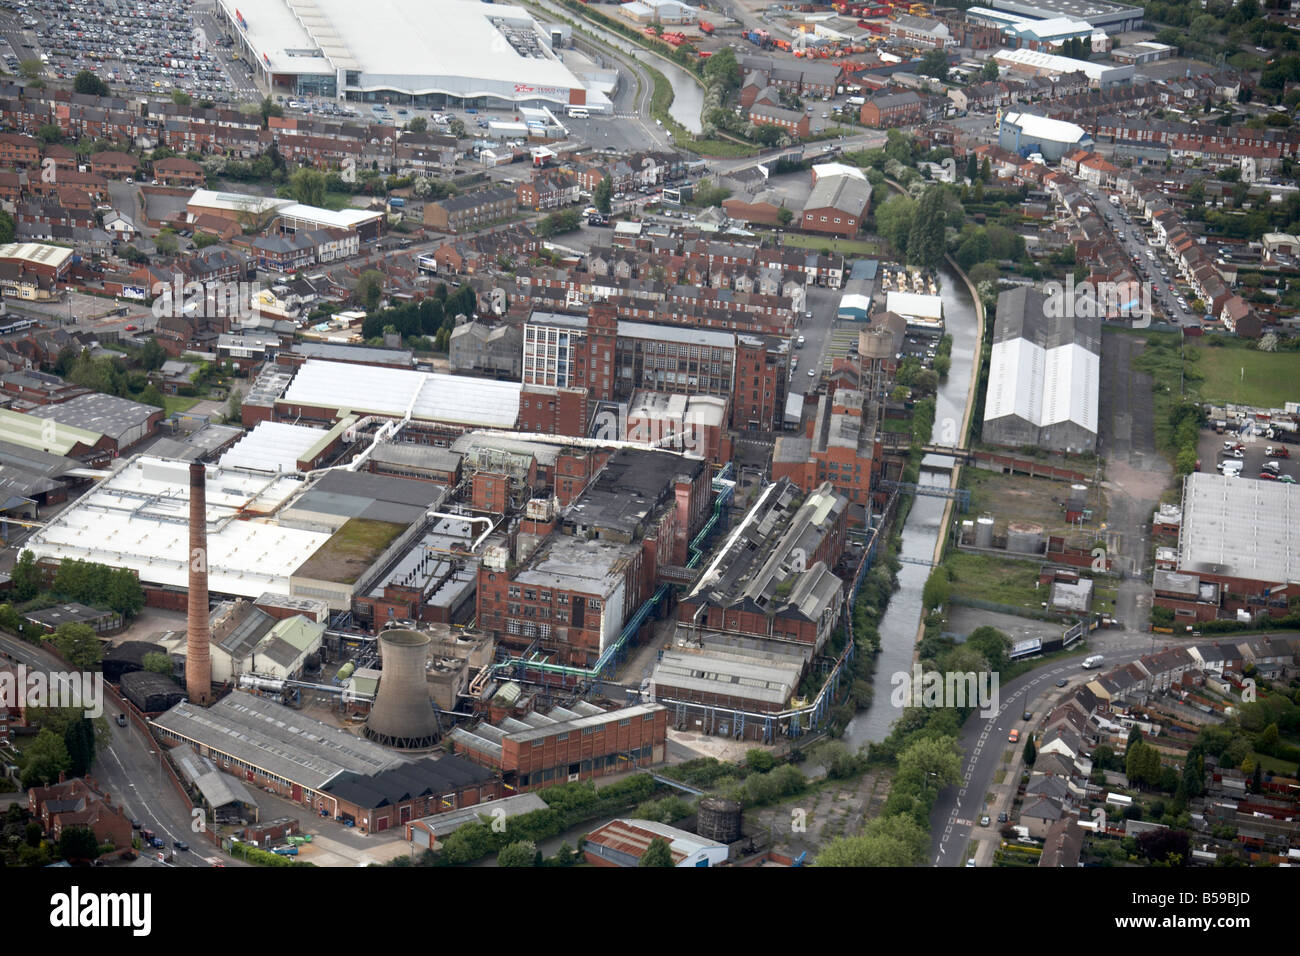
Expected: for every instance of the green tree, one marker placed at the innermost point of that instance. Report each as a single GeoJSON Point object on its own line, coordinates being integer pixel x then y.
{"type": "Point", "coordinates": [972, 167]}
{"type": "Point", "coordinates": [1031, 752]}
{"type": "Point", "coordinates": [893, 841]}
{"type": "Point", "coordinates": [659, 853]}
{"type": "Point", "coordinates": [77, 844]}
{"type": "Point", "coordinates": [925, 241]}
{"type": "Point", "coordinates": [456, 127]}
{"type": "Point", "coordinates": [370, 288]}
{"type": "Point", "coordinates": [158, 663]}
{"type": "Point", "coordinates": [784, 216]}
{"type": "Point", "coordinates": [79, 738]}
{"type": "Point", "coordinates": [308, 186]}
{"type": "Point", "coordinates": [150, 395]}
{"type": "Point", "coordinates": [990, 70]}
{"type": "Point", "coordinates": [235, 406]}
{"type": "Point", "coordinates": [31, 68]}
{"type": "Point", "coordinates": [181, 98]}
{"type": "Point", "coordinates": [418, 125]}
{"type": "Point", "coordinates": [518, 854]}
{"type": "Point", "coordinates": [88, 83]}
{"type": "Point", "coordinates": [166, 243]}
{"type": "Point", "coordinates": [936, 590]}
{"type": "Point", "coordinates": [602, 197]}
{"type": "Point", "coordinates": [25, 578]}
{"type": "Point", "coordinates": [49, 133]}
{"type": "Point", "coordinates": [723, 69]}
{"type": "Point", "coordinates": [759, 761]}
{"type": "Point", "coordinates": [935, 64]}
{"type": "Point", "coordinates": [270, 108]}
{"type": "Point", "coordinates": [47, 757]}
{"type": "Point", "coordinates": [894, 219]}
{"type": "Point", "coordinates": [78, 644]}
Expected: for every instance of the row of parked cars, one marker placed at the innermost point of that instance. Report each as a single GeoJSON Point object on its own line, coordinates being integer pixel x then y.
{"type": "Point", "coordinates": [144, 45]}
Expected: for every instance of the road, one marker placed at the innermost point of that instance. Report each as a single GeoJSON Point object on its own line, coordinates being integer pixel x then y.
{"type": "Point", "coordinates": [984, 740]}
{"type": "Point", "coordinates": [1163, 274]}
{"type": "Point", "coordinates": [130, 771]}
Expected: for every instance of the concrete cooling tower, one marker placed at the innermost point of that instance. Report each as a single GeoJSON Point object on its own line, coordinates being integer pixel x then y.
{"type": "Point", "coordinates": [402, 715]}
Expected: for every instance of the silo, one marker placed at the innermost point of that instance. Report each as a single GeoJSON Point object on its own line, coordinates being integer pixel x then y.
{"type": "Point", "coordinates": [718, 819]}
{"type": "Point", "coordinates": [1024, 537]}
{"type": "Point", "coordinates": [967, 532]}
{"type": "Point", "coordinates": [402, 715]}
{"type": "Point", "coordinates": [984, 531]}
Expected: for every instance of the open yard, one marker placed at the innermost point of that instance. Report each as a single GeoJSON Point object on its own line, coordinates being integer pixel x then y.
{"type": "Point", "coordinates": [993, 579]}
{"type": "Point", "coordinates": [1009, 498]}
{"type": "Point", "coordinates": [1246, 376]}
{"type": "Point", "coordinates": [848, 247]}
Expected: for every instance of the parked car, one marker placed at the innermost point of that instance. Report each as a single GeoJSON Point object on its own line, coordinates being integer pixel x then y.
{"type": "Point", "coordinates": [1014, 736]}
{"type": "Point", "coordinates": [984, 820]}
{"type": "Point", "coordinates": [121, 720]}
{"type": "Point", "coordinates": [1062, 682]}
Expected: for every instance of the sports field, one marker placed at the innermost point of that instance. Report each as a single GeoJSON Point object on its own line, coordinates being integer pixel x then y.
{"type": "Point", "coordinates": [1247, 376]}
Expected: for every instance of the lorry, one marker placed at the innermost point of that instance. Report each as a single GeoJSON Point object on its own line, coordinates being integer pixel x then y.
{"type": "Point", "coordinates": [1094, 661]}
{"type": "Point", "coordinates": [285, 850]}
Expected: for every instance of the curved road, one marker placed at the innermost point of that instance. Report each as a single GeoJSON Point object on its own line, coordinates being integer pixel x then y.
{"type": "Point", "coordinates": [983, 740]}
{"type": "Point", "coordinates": [129, 770]}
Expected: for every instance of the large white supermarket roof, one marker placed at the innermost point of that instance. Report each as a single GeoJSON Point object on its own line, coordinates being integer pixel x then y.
{"type": "Point", "coordinates": [416, 46]}
{"type": "Point", "coordinates": [428, 396]}
{"type": "Point", "coordinates": [138, 519]}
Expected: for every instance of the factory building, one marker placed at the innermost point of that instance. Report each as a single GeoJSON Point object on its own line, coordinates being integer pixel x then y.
{"type": "Point", "coordinates": [1044, 376]}
{"type": "Point", "coordinates": [580, 574]}
{"type": "Point", "coordinates": [1238, 550]}
{"type": "Point", "coordinates": [1102, 14]}
{"type": "Point", "coordinates": [580, 741]}
{"type": "Point", "coordinates": [1027, 62]}
{"type": "Point", "coordinates": [772, 578]}
{"type": "Point", "coordinates": [1025, 133]}
{"type": "Point", "coordinates": [322, 768]}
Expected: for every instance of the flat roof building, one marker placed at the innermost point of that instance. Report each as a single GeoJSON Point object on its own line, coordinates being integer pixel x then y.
{"type": "Point", "coordinates": [1103, 14]}
{"type": "Point", "coordinates": [457, 51]}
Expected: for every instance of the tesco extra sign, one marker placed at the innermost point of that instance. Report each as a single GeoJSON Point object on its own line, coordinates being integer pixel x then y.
{"type": "Point", "coordinates": [541, 90]}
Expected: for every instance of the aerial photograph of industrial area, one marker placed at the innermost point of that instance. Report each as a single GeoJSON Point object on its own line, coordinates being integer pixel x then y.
{"type": "Point", "coordinates": [574, 434]}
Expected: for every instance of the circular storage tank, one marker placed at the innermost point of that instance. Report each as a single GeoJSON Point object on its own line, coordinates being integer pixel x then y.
{"type": "Point", "coordinates": [1024, 537]}
{"type": "Point", "coordinates": [718, 819]}
{"type": "Point", "coordinates": [1078, 497]}
{"type": "Point", "coordinates": [984, 532]}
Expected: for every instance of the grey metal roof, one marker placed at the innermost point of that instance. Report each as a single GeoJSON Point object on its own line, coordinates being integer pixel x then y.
{"type": "Point", "coordinates": [105, 414]}
{"type": "Point", "coordinates": [239, 643]}
{"type": "Point", "coordinates": [276, 739]}
{"type": "Point", "coordinates": [418, 456]}
{"type": "Point", "coordinates": [1242, 527]}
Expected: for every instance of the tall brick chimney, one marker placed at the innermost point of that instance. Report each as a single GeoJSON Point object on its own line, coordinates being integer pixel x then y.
{"type": "Point", "coordinates": [198, 654]}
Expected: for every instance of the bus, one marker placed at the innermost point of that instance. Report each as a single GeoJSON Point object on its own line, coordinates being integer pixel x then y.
{"type": "Point", "coordinates": [578, 112]}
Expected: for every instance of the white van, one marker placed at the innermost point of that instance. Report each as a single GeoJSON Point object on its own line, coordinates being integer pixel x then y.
{"type": "Point", "coordinates": [578, 112]}
{"type": "Point", "coordinates": [1094, 661]}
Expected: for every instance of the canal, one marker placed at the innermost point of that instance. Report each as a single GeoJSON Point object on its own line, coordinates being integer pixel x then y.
{"type": "Point", "coordinates": [921, 530]}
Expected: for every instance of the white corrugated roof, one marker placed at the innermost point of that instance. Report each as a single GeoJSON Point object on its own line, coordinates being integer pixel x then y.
{"type": "Point", "coordinates": [914, 305]}
{"type": "Point", "coordinates": [429, 396]}
{"type": "Point", "coordinates": [272, 446]}
{"type": "Point", "coordinates": [1058, 131]}
{"type": "Point", "coordinates": [1044, 387]}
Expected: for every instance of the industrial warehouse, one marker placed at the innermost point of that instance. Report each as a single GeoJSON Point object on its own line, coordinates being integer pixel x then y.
{"type": "Point", "coordinates": [455, 52]}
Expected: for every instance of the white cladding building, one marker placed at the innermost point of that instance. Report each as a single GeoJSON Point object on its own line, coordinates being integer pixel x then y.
{"type": "Point", "coordinates": [1044, 375]}
{"type": "Point", "coordinates": [449, 52]}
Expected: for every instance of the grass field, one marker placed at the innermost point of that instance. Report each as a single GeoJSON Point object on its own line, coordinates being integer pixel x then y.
{"type": "Point", "coordinates": [859, 247]}
{"type": "Point", "coordinates": [175, 403]}
{"type": "Point", "coordinates": [1286, 768]}
{"type": "Point", "coordinates": [1246, 376]}
{"type": "Point", "coordinates": [993, 579]}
